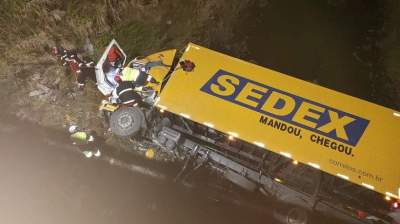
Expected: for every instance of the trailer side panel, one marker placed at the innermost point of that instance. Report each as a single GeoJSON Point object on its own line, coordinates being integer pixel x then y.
{"type": "Point", "coordinates": [339, 134]}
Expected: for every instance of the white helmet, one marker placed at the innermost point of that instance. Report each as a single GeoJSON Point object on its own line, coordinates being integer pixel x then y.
{"type": "Point", "coordinates": [88, 154]}
{"type": "Point", "coordinates": [72, 129]}
{"type": "Point", "coordinates": [91, 138]}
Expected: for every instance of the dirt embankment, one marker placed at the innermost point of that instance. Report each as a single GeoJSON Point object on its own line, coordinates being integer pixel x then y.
{"type": "Point", "coordinates": [35, 87]}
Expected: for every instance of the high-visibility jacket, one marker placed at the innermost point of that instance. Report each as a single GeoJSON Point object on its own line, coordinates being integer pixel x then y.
{"type": "Point", "coordinates": [130, 74]}
{"type": "Point", "coordinates": [80, 137]}
{"type": "Point", "coordinates": [139, 77]}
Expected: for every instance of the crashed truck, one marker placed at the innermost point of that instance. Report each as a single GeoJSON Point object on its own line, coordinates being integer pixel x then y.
{"type": "Point", "coordinates": [313, 151]}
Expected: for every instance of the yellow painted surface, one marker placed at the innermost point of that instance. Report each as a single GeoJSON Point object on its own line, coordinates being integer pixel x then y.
{"type": "Point", "coordinates": [159, 72]}
{"type": "Point", "coordinates": [232, 95]}
{"type": "Point", "coordinates": [150, 154]}
{"type": "Point", "coordinates": [109, 107]}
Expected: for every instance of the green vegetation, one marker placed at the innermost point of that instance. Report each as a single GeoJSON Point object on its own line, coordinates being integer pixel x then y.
{"type": "Point", "coordinates": [147, 26]}
{"type": "Point", "coordinates": [10, 12]}
{"type": "Point", "coordinates": [136, 38]}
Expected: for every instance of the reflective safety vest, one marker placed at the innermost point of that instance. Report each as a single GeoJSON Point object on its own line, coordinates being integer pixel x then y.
{"type": "Point", "coordinates": [130, 74]}
{"type": "Point", "coordinates": [80, 137]}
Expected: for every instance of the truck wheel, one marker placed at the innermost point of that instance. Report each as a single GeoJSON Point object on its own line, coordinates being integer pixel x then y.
{"type": "Point", "coordinates": [126, 121]}
{"type": "Point", "coordinates": [293, 215]}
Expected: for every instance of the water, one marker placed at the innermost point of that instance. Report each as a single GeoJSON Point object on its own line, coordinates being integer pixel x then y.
{"type": "Point", "coordinates": [45, 180]}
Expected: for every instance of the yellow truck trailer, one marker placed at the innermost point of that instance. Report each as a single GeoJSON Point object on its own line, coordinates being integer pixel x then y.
{"type": "Point", "coordinates": [339, 134]}
{"type": "Point", "coordinates": [253, 124]}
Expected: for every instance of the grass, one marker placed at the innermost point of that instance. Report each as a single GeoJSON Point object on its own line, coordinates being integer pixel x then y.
{"type": "Point", "coordinates": [9, 11]}
{"type": "Point", "coordinates": [136, 38]}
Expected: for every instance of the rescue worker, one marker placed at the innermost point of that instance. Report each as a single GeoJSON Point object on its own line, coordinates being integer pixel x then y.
{"type": "Point", "coordinates": [127, 95]}
{"type": "Point", "coordinates": [61, 54]}
{"type": "Point", "coordinates": [86, 141]}
{"type": "Point", "coordinates": [87, 71]}
{"type": "Point", "coordinates": [59, 51]}
{"type": "Point", "coordinates": [81, 69]}
{"type": "Point", "coordinates": [137, 72]}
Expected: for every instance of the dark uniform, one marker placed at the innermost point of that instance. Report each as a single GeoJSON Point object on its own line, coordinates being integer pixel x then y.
{"type": "Point", "coordinates": [127, 95]}
{"type": "Point", "coordinates": [88, 143]}
{"type": "Point", "coordinates": [81, 69]}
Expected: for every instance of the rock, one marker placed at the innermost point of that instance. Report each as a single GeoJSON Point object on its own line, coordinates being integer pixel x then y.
{"type": "Point", "coordinates": [169, 22]}
{"type": "Point", "coordinates": [57, 81]}
{"type": "Point", "coordinates": [35, 93]}
{"type": "Point", "coordinates": [88, 47]}
{"type": "Point", "coordinates": [44, 81]}
{"type": "Point", "coordinates": [58, 14]}
{"type": "Point", "coordinates": [57, 17]}
{"type": "Point", "coordinates": [53, 96]}
{"type": "Point", "coordinates": [48, 96]}
{"type": "Point", "coordinates": [44, 88]}
{"type": "Point", "coordinates": [35, 76]}
{"type": "Point", "coordinates": [20, 114]}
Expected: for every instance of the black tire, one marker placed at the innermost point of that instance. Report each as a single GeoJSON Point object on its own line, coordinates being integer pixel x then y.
{"type": "Point", "coordinates": [126, 121]}
{"type": "Point", "coordinates": [292, 215]}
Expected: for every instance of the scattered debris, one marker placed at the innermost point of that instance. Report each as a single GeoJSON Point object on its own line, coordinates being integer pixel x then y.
{"type": "Point", "coordinates": [58, 14]}
{"type": "Point", "coordinates": [88, 47]}
{"type": "Point", "coordinates": [35, 76]}
{"type": "Point", "coordinates": [35, 93]}
{"type": "Point", "coordinates": [57, 81]}
{"type": "Point", "coordinates": [44, 88]}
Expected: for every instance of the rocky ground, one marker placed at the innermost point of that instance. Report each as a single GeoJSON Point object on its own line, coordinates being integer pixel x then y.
{"type": "Point", "coordinates": [38, 89]}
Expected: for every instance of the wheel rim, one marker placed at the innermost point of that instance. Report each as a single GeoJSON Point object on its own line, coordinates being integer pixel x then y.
{"type": "Point", "coordinates": [125, 121]}
{"type": "Point", "coordinates": [297, 216]}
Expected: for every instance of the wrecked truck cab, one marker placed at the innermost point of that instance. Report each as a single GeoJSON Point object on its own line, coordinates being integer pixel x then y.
{"type": "Point", "coordinates": [129, 120]}
{"type": "Point", "coordinates": [110, 64]}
